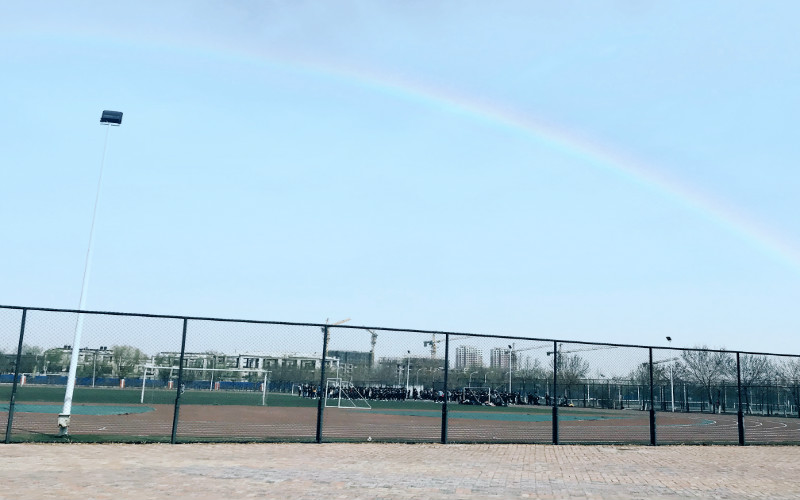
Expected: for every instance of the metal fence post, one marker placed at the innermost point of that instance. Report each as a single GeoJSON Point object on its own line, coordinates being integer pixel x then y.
{"type": "Point", "coordinates": [16, 376]}
{"type": "Point", "coordinates": [652, 407]}
{"type": "Point", "coordinates": [555, 393]}
{"type": "Point", "coordinates": [444, 389]}
{"type": "Point", "coordinates": [323, 391]}
{"type": "Point", "coordinates": [739, 414]}
{"type": "Point", "coordinates": [179, 390]}
{"type": "Point", "coordinates": [795, 391]}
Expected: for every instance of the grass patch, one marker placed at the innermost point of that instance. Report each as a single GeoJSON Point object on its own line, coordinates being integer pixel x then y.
{"type": "Point", "coordinates": [132, 396]}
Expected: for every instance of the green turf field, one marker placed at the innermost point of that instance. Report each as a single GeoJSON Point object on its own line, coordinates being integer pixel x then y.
{"type": "Point", "coordinates": [131, 396]}
{"type": "Point", "coordinates": [103, 395]}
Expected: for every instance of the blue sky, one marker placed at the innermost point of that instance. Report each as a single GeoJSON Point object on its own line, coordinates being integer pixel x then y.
{"type": "Point", "coordinates": [618, 171]}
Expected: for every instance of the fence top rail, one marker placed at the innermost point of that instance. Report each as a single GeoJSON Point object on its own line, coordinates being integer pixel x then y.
{"type": "Point", "coordinates": [386, 329]}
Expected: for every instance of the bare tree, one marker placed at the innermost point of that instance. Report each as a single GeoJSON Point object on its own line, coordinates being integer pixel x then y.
{"type": "Point", "coordinates": [166, 364]}
{"type": "Point", "coordinates": [126, 358]}
{"type": "Point", "coordinates": [56, 360]}
{"type": "Point", "coordinates": [704, 368]}
{"type": "Point", "coordinates": [641, 374]}
{"type": "Point", "coordinates": [532, 373]}
{"type": "Point", "coordinates": [572, 370]}
{"type": "Point", "coordinates": [755, 371]}
{"type": "Point", "coordinates": [789, 373]}
{"type": "Point", "coordinates": [30, 359]}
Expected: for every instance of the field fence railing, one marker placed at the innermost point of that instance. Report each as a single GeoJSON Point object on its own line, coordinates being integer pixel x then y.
{"type": "Point", "coordinates": [71, 375]}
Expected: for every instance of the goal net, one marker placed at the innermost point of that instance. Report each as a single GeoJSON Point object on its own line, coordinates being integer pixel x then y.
{"type": "Point", "coordinates": [343, 394]}
{"type": "Point", "coordinates": [205, 385]}
{"type": "Point", "coordinates": [476, 395]}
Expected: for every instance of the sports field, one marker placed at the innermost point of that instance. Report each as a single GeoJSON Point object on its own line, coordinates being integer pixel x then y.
{"type": "Point", "coordinates": [104, 414]}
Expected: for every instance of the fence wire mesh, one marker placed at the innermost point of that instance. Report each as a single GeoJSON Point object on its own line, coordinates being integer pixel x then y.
{"type": "Point", "coordinates": [602, 391]}
{"type": "Point", "coordinates": [249, 382]}
{"type": "Point", "coordinates": [107, 399]}
{"type": "Point", "coordinates": [500, 390]}
{"type": "Point", "coordinates": [383, 386]}
{"type": "Point", "coordinates": [769, 398]}
{"type": "Point", "coordinates": [695, 396]}
{"type": "Point", "coordinates": [9, 340]}
{"type": "Point", "coordinates": [141, 378]}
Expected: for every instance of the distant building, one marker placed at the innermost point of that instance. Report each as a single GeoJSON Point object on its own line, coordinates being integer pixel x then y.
{"type": "Point", "coordinates": [349, 360]}
{"type": "Point", "coordinates": [55, 361]}
{"type": "Point", "coordinates": [245, 360]}
{"type": "Point", "coordinates": [468, 356]}
{"type": "Point", "coordinates": [502, 358]}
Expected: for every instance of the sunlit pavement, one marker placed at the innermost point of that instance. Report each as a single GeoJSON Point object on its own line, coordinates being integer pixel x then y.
{"type": "Point", "coordinates": [372, 470]}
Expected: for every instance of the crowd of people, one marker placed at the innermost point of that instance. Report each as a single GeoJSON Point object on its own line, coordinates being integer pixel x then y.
{"type": "Point", "coordinates": [467, 396]}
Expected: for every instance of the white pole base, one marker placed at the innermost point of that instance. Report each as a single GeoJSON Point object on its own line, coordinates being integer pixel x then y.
{"type": "Point", "coordinates": [63, 425]}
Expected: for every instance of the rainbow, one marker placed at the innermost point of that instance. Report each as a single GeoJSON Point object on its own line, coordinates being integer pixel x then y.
{"type": "Point", "coordinates": [615, 163]}
{"type": "Point", "coordinates": [738, 223]}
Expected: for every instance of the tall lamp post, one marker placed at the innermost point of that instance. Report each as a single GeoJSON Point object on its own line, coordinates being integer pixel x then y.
{"type": "Point", "coordinates": [94, 365]}
{"type": "Point", "coordinates": [671, 381]}
{"type": "Point", "coordinates": [510, 364]}
{"type": "Point", "coordinates": [408, 372]}
{"type": "Point", "coordinates": [109, 119]}
{"type": "Point", "coordinates": [671, 361]}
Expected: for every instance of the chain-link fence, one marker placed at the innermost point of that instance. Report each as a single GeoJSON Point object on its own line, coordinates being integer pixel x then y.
{"type": "Point", "coordinates": [100, 376]}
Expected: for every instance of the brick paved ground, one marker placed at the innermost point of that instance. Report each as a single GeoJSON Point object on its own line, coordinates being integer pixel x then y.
{"type": "Point", "coordinates": [396, 471]}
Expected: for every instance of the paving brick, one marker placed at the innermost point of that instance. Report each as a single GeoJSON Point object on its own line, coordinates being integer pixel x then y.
{"type": "Point", "coordinates": [396, 471]}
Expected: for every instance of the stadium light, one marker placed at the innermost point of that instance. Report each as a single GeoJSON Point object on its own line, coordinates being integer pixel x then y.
{"type": "Point", "coordinates": [109, 119]}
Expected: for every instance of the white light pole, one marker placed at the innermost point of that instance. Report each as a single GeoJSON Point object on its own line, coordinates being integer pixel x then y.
{"type": "Point", "coordinates": [107, 118]}
{"type": "Point", "coordinates": [685, 399]}
{"type": "Point", "coordinates": [510, 356]}
{"type": "Point", "coordinates": [94, 365]}
{"type": "Point", "coordinates": [588, 396]}
{"type": "Point", "coordinates": [144, 382]}
{"type": "Point", "coordinates": [408, 372]}
{"type": "Point", "coordinates": [671, 381]}
{"type": "Point", "coordinates": [211, 384]}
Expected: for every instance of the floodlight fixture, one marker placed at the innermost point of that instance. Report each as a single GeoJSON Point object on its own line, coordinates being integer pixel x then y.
{"type": "Point", "coordinates": [111, 117]}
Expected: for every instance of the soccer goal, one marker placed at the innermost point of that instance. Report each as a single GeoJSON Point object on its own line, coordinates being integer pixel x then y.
{"type": "Point", "coordinates": [343, 394]}
{"type": "Point", "coordinates": [228, 384]}
{"type": "Point", "coordinates": [477, 395]}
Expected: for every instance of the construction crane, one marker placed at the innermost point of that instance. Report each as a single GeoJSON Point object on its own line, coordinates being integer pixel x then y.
{"type": "Point", "coordinates": [531, 348]}
{"type": "Point", "coordinates": [372, 350]}
{"type": "Point", "coordinates": [433, 343]}
{"type": "Point", "coordinates": [328, 333]}
{"type": "Point", "coordinates": [560, 352]}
